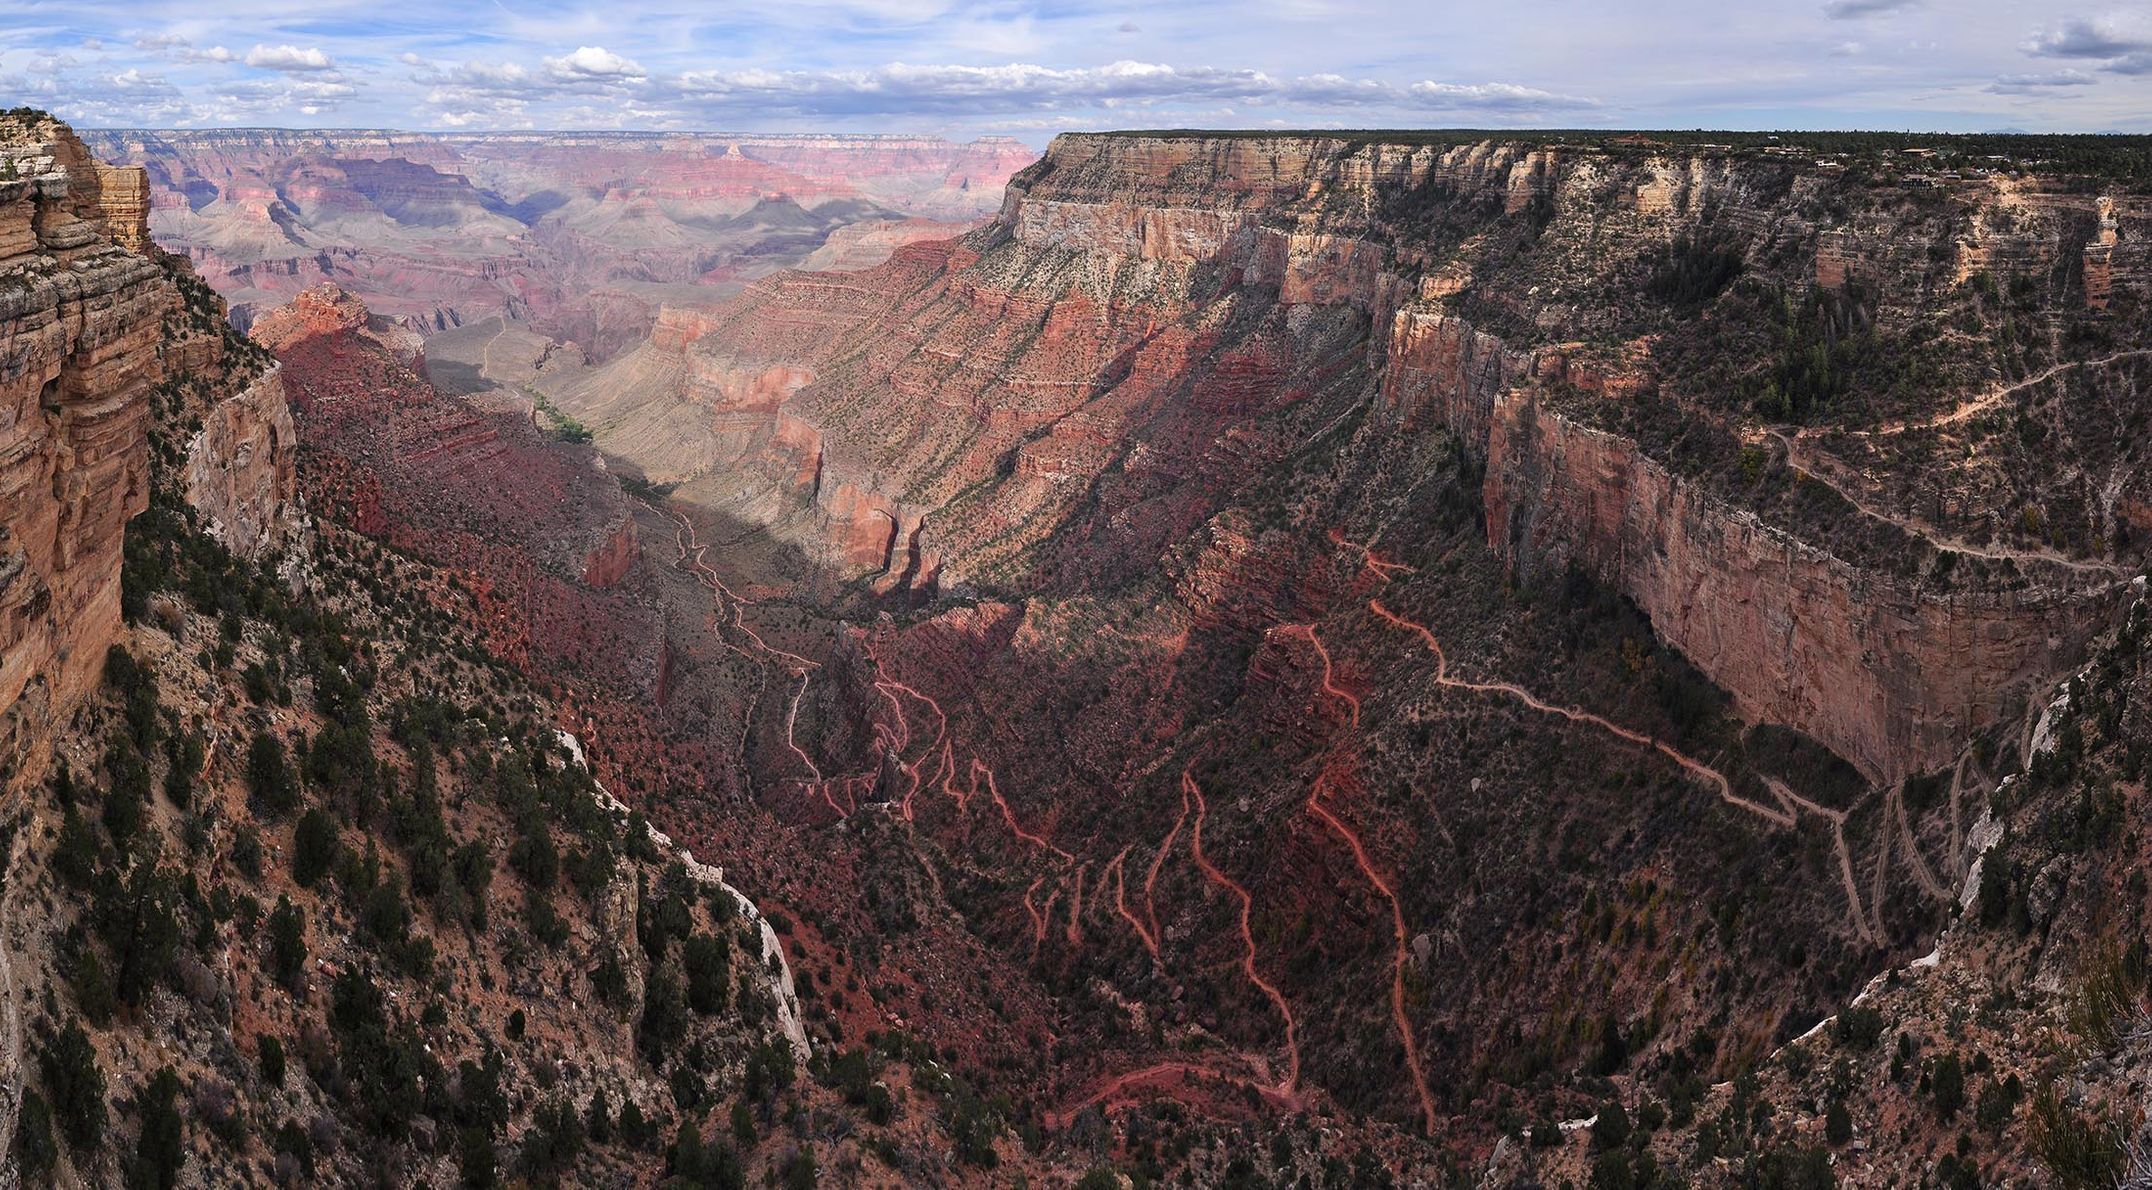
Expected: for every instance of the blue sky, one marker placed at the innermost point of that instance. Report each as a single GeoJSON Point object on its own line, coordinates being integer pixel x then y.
{"type": "Point", "coordinates": [1034, 67]}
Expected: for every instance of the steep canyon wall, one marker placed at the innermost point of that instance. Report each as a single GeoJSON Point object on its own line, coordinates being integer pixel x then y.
{"type": "Point", "coordinates": [90, 329]}
{"type": "Point", "coordinates": [1513, 295]}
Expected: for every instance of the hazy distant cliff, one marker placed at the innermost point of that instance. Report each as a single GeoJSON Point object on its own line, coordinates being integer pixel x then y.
{"type": "Point", "coordinates": [581, 233]}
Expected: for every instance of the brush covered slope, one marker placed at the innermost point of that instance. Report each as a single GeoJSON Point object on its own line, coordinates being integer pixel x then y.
{"type": "Point", "coordinates": [1397, 627]}
{"type": "Point", "coordinates": [299, 884]}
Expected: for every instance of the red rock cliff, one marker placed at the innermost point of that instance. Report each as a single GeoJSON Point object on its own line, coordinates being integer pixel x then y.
{"type": "Point", "coordinates": [80, 324]}
{"type": "Point", "coordinates": [963, 400]}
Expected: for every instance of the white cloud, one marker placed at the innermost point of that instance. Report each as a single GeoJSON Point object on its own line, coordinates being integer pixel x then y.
{"type": "Point", "coordinates": [594, 62]}
{"type": "Point", "coordinates": [1025, 87]}
{"type": "Point", "coordinates": [289, 58]}
{"type": "Point", "coordinates": [2034, 84]}
{"type": "Point", "coordinates": [173, 48]}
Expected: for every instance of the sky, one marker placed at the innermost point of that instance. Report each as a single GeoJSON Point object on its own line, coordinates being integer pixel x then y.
{"type": "Point", "coordinates": [1030, 68]}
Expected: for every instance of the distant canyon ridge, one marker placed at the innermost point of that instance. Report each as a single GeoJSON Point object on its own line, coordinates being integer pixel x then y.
{"type": "Point", "coordinates": [584, 236]}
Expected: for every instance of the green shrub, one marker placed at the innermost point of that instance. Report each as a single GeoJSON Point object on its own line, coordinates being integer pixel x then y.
{"type": "Point", "coordinates": [270, 782]}
{"type": "Point", "coordinates": [76, 1087]}
{"type": "Point", "coordinates": [160, 1145]}
{"type": "Point", "coordinates": [314, 847]}
{"type": "Point", "coordinates": [287, 943]}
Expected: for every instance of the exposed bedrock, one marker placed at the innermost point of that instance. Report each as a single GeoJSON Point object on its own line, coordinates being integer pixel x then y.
{"type": "Point", "coordinates": [1888, 672]}
{"type": "Point", "coordinates": [89, 328]}
{"type": "Point", "coordinates": [1138, 297]}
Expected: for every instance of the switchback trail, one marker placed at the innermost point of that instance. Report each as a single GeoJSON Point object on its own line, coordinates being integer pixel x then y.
{"type": "Point", "coordinates": [1120, 900]}
{"type": "Point", "coordinates": [1400, 936]}
{"type": "Point", "coordinates": [692, 560]}
{"type": "Point", "coordinates": [1189, 789]}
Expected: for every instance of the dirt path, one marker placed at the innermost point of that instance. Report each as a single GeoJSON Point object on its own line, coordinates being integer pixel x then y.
{"type": "Point", "coordinates": [693, 561]}
{"type": "Point", "coordinates": [1831, 472]}
{"type": "Point", "coordinates": [485, 354]}
{"type": "Point", "coordinates": [1923, 875]}
{"type": "Point", "coordinates": [1150, 879]}
{"type": "Point", "coordinates": [1189, 789]}
{"type": "Point", "coordinates": [1968, 410]}
{"type": "Point", "coordinates": [1169, 1078]}
{"type": "Point", "coordinates": [1787, 814]}
{"type": "Point", "coordinates": [1120, 901]}
{"type": "Point", "coordinates": [1401, 937]}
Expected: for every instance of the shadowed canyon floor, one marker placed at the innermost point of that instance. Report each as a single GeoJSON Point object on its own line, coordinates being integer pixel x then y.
{"type": "Point", "coordinates": [988, 455]}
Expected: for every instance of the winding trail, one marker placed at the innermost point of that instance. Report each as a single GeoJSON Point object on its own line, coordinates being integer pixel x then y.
{"type": "Point", "coordinates": [1923, 875]}
{"type": "Point", "coordinates": [693, 561]}
{"type": "Point", "coordinates": [1352, 702]}
{"type": "Point", "coordinates": [1401, 937]}
{"type": "Point", "coordinates": [1786, 815]}
{"type": "Point", "coordinates": [1189, 789]}
{"type": "Point", "coordinates": [1370, 561]}
{"type": "Point", "coordinates": [1120, 901]}
{"type": "Point", "coordinates": [893, 741]}
{"type": "Point", "coordinates": [1968, 410]}
{"type": "Point", "coordinates": [1038, 920]}
{"type": "Point", "coordinates": [1831, 471]}
{"type": "Point", "coordinates": [1167, 1077]}
{"type": "Point", "coordinates": [1150, 879]}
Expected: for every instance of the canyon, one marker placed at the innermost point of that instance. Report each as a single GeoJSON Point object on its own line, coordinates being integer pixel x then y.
{"type": "Point", "coordinates": [1540, 635]}
{"type": "Point", "coordinates": [1188, 392]}
{"type": "Point", "coordinates": [585, 235]}
{"type": "Point", "coordinates": [1766, 610]}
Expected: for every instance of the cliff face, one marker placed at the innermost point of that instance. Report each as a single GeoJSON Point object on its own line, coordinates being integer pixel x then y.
{"type": "Point", "coordinates": [241, 468]}
{"type": "Point", "coordinates": [1204, 528]}
{"type": "Point", "coordinates": [80, 320]}
{"type": "Point", "coordinates": [966, 398]}
{"type": "Point", "coordinates": [1889, 671]}
{"type": "Point", "coordinates": [91, 331]}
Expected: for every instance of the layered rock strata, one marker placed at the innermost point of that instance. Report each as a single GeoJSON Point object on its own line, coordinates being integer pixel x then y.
{"type": "Point", "coordinates": [94, 323]}
{"type": "Point", "coordinates": [80, 323]}
{"type": "Point", "coordinates": [926, 423]}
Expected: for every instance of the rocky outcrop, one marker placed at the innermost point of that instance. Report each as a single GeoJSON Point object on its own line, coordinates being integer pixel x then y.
{"type": "Point", "coordinates": [1891, 674]}
{"type": "Point", "coordinates": [80, 325]}
{"type": "Point", "coordinates": [240, 470]}
{"type": "Point", "coordinates": [123, 201]}
{"type": "Point", "coordinates": [612, 561]}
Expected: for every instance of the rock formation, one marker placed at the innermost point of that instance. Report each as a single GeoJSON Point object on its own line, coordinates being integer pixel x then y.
{"type": "Point", "coordinates": [80, 325]}
{"type": "Point", "coordinates": [93, 328]}
{"type": "Point", "coordinates": [165, 932]}
{"type": "Point", "coordinates": [1374, 639]}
